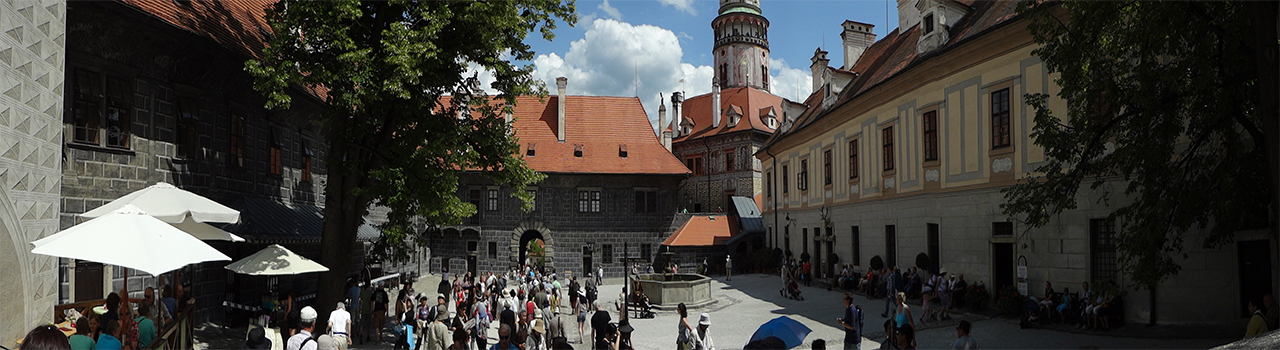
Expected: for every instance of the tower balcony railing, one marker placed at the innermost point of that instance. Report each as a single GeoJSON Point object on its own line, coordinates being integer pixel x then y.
{"type": "Point", "coordinates": [743, 39]}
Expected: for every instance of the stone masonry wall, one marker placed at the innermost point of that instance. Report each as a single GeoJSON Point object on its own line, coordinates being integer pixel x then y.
{"type": "Point", "coordinates": [32, 54]}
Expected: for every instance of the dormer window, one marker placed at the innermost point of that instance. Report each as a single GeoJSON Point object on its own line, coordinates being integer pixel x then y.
{"type": "Point", "coordinates": [622, 151]}
{"type": "Point", "coordinates": [927, 24]}
{"type": "Point", "coordinates": [531, 150]}
{"type": "Point", "coordinates": [577, 151]}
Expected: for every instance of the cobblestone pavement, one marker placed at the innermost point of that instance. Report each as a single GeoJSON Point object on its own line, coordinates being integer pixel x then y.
{"type": "Point", "coordinates": [748, 301]}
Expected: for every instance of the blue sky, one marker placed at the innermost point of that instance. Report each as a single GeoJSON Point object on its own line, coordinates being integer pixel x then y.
{"type": "Point", "coordinates": [657, 43]}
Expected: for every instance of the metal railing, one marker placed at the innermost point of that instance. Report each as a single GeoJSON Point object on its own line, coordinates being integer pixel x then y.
{"type": "Point", "coordinates": [178, 334]}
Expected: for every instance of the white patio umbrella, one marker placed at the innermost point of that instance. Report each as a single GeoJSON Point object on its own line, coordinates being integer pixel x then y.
{"type": "Point", "coordinates": [170, 204]}
{"type": "Point", "coordinates": [206, 232]}
{"type": "Point", "coordinates": [275, 260]}
{"type": "Point", "coordinates": [129, 237]}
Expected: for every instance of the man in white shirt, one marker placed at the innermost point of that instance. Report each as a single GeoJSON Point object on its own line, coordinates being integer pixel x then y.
{"type": "Point", "coordinates": [302, 340]}
{"type": "Point", "coordinates": [339, 325]}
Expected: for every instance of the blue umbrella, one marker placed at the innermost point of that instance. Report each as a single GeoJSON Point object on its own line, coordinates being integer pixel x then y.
{"type": "Point", "coordinates": [788, 330]}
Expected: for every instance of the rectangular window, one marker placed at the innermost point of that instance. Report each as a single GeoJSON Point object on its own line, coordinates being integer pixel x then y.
{"type": "Point", "coordinates": [493, 250]}
{"type": "Point", "coordinates": [927, 24]}
{"type": "Point", "coordinates": [728, 160]}
{"type": "Point", "coordinates": [606, 255]}
{"type": "Point", "coordinates": [306, 161]}
{"type": "Point", "coordinates": [577, 151]}
{"type": "Point", "coordinates": [785, 174]}
{"type": "Point", "coordinates": [853, 159]}
{"type": "Point", "coordinates": [1000, 118]}
{"type": "Point", "coordinates": [87, 109]}
{"type": "Point", "coordinates": [493, 200]}
{"type": "Point", "coordinates": [694, 164]}
{"type": "Point", "coordinates": [887, 136]}
{"type": "Point", "coordinates": [1102, 235]}
{"type": "Point", "coordinates": [187, 119]}
{"type": "Point", "coordinates": [768, 183]}
{"type": "Point", "coordinates": [930, 126]}
{"type": "Point", "coordinates": [646, 201]}
{"type": "Point", "coordinates": [826, 167]}
{"type": "Point", "coordinates": [588, 201]}
{"type": "Point", "coordinates": [531, 150]}
{"type": "Point", "coordinates": [235, 138]}
{"type": "Point", "coordinates": [856, 241]}
{"type": "Point", "coordinates": [802, 178]}
{"type": "Point", "coordinates": [474, 199]}
{"type": "Point", "coordinates": [1002, 229]}
{"type": "Point", "coordinates": [890, 245]}
{"type": "Point", "coordinates": [804, 240]}
{"type": "Point", "coordinates": [533, 199]}
{"type": "Point", "coordinates": [119, 112]}
{"type": "Point", "coordinates": [645, 251]}
{"type": "Point", "coordinates": [273, 161]}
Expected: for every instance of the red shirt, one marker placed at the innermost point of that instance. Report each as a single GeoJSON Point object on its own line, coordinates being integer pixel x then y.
{"type": "Point", "coordinates": [529, 306]}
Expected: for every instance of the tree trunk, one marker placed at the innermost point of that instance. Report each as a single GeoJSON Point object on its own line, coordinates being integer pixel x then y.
{"type": "Point", "coordinates": [1152, 320]}
{"type": "Point", "coordinates": [343, 214]}
{"type": "Point", "coordinates": [1266, 21]}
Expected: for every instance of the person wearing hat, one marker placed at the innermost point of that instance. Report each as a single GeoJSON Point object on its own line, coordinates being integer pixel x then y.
{"type": "Point", "coordinates": [257, 339]}
{"type": "Point", "coordinates": [437, 333]}
{"type": "Point", "coordinates": [339, 325]}
{"type": "Point", "coordinates": [944, 295]}
{"type": "Point", "coordinates": [303, 340]}
{"type": "Point", "coordinates": [327, 342]}
{"type": "Point", "coordinates": [704, 337]}
{"type": "Point", "coordinates": [536, 340]}
{"type": "Point", "coordinates": [555, 326]}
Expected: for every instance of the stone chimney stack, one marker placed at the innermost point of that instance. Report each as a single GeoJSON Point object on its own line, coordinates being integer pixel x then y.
{"type": "Point", "coordinates": [662, 117]}
{"type": "Point", "coordinates": [857, 38]}
{"type": "Point", "coordinates": [677, 100]}
{"type": "Point", "coordinates": [561, 83]}
{"type": "Point", "coordinates": [818, 67]}
{"type": "Point", "coordinates": [715, 104]}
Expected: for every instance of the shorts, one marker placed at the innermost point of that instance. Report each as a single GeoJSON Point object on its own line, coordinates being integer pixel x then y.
{"type": "Point", "coordinates": [582, 317]}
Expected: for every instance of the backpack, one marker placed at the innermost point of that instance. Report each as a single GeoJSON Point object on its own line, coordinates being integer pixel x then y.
{"type": "Point", "coordinates": [857, 314]}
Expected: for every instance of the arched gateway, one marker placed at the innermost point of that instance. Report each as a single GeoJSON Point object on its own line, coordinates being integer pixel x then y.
{"type": "Point", "coordinates": [526, 232]}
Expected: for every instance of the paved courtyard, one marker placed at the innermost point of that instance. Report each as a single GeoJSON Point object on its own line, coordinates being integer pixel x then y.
{"type": "Point", "coordinates": [748, 301]}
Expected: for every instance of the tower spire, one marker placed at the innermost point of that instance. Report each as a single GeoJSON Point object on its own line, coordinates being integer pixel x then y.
{"type": "Point", "coordinates": [741, 48]}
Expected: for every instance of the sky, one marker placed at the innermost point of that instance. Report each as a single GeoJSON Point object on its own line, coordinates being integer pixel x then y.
{"type": "Point", "coordinates": [646, 47]}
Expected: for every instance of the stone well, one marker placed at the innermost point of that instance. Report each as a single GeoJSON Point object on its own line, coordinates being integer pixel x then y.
{"type": "Point", "coordinates": [667, 290]}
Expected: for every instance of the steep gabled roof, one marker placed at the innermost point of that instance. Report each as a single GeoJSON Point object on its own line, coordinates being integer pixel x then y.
{"type": "Point", "coordinates": [896, 52]}
{"type": "Point", "coordinates": [601, 126]}
{"type": "Point", "coordinates": [238, 25]}
{"type": "Point", "coordinates": [745, 101]}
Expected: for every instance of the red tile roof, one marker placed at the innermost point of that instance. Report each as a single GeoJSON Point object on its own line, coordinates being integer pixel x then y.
{"type": "Point", "coordinates": [743, 100]}
{"type": "Point", "coordinates": [701, 231]}
{"type": "Point", "coordinates": [601, 125]}
{"type": "Point", "coordinates": [896, 52]}
{"type": "Point", "coordinates": [237, 25]}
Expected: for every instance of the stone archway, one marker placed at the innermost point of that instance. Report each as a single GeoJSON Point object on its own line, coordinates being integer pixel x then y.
{"type": "Point", "coordinates": [526, 231]}
{"type": "Point", "coordinates": [14, 267]}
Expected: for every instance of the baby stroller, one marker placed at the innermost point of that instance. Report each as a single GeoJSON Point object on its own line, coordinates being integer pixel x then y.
{"type": "Point", "coordinates": [1031, 316]}
{"type": "Point", "coordinates": [792, 291]}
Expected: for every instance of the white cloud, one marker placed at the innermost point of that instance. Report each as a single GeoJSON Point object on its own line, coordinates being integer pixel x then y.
{"type": "Point", "coordinates": [791, 83]}
{"type": "Point", "coordinates": [612, 56]}
{"type": "Point", "coordinates": [610, 10]}
{"type": "Point", "coordinates": [682, 5]}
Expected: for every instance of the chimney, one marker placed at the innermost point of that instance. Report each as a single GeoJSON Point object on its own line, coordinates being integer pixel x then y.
{"type": "Point", "coordinates": [857, 38]}
{"type": "Point", "coordinates": [561, 83]}
{"type": "Point", "coordinates": [818, 67]}
{"type": "Point", "coordinates": [677, 100]}
{"type": "Point", "coordinates": [715, 104]}
{"type": "Point", "coordinates": [662, 117]}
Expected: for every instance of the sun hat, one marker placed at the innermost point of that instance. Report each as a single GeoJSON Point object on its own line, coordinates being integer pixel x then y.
{"type": "Point", "coordinates": [704, 319]}
{"type": "Point", "coordinates": [539, 327]}
{"type": "Point", "coordinates": [537, 314]}
{"type": "Point", "coordinates": [257, 339]}
{"type": "Point", "coordinates": [308, 314]}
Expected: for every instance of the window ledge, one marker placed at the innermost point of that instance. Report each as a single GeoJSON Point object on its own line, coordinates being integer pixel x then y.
{"type": "Point", "coordinates": [96, 148]}
{"type": "Point", "coordinates": [932, 163]}
{"type": "Point", "coordinates": [1000, 151]}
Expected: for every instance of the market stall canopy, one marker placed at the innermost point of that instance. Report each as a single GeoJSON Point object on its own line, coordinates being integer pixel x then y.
{"type": "Point", "coordinates": [170, 204]}
{"type": "Point", "coordinates": [275, 260]}
{"type": "Point", "coordinates": [129, 237]}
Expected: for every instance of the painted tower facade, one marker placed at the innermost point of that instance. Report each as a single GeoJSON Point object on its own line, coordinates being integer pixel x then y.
{"type": "Point", "coordinates": [742, 45]}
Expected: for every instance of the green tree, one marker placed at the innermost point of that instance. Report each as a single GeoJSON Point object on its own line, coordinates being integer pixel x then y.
{"type": "Point", "coordinates": [385, 70]}
{"type": "Point", "coordinates": [1177, 102]}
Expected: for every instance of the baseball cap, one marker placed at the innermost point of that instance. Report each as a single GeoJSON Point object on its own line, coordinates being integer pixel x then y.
{"type": "Point", "coordinates": [308, 314]}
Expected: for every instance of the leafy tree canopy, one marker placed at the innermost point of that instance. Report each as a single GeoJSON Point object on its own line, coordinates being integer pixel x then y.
{"type": "Point", "coordinates": [1164, 98]}
{"type": "Point", "coordinates": [383, 68]}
